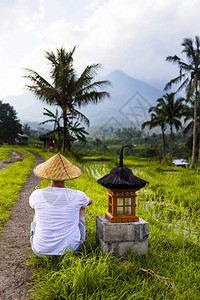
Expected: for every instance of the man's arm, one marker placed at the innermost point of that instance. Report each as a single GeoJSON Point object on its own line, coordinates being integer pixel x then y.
{"type": "Point", "coordinates": [90, 201]}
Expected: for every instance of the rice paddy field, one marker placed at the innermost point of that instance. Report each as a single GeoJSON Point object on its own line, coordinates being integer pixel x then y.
{"type": "Point", "coordinates": [170, 203]}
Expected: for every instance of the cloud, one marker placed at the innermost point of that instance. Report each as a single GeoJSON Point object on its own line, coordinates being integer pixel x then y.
{"type": "Point", "coordinates": [20, 14]}
{"type": "Point", "coordinates": [62, 32]}
{"type": "Point", "coordinates": [135, 36]}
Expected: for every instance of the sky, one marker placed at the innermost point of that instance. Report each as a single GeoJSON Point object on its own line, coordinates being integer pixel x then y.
{"type": "Point", "coordinates": [134, 36]}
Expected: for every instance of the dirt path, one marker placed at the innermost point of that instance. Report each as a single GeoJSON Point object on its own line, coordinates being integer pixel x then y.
{"type": "Point", "coordinates": [15, 244]}
{"type": "Point", "coordinates": [14, 157]}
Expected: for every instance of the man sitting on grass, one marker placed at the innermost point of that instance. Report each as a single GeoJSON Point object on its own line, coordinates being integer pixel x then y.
{"type": "Point", "coordinates": [59, 222]}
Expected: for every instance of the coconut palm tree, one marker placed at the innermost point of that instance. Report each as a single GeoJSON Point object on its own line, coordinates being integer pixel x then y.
{"type": "Point", "coordinates": [189, 117]}
{"type": "Point", "coordinates": [189, 78]}
{"type": "Point", "coordinates": [66, 89]}
{"type": "Point", "coordinates": [54, 118]}
{"type": "Point", "coordinates": [167, 111]}
{"type": "Point", "coordinates": [157, 119]}
{"type": "Point", "coordinates": [173, 111]}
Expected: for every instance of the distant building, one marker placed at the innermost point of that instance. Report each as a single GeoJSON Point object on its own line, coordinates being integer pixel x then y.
{"type": "Point", "coordinates": [49, 138]}
{"type": "Point", "coordinates": [180, 162]}
{"type": "Point", "coordinates": [21, 139]}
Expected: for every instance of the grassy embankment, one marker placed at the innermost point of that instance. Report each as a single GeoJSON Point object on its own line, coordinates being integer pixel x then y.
{"type": "Point", "coordinates": [12, 179]}
{"type": "Point", "coordinates": [170, 271]}
{"type": "Point", "coordinates": [4, 154]}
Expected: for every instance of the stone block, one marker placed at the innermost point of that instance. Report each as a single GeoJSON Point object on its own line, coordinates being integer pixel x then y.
{"type": "Point", "coordinates": [99, 227]}
{"type": "Point", "coordinates": [119, 232]}
{"type": "Point", "coordinates": [140, 248]}
{"type": "Point", "coordinates": [145, 229]}
{"type": "Point", "coordinates": [117, 238]}
{"type": "Point", "coordinates": [123, 247]}
{"type": "Point", "coordinates": [109, 248]}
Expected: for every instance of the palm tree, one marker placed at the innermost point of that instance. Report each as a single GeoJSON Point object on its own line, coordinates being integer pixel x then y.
{"type": "Point", "coordinates": [77, 131]}
{"type": "Point", "coordinates": [157, 119]}
{"type": "Point", "coordinates": [66, 89]}
{"type": "Point", "coordinates": [172, 110]}
{"type": "Point", "coordinates": [167, 111]}
{"type": "Point", "coordinates": [26, 129]}
{"type": "Point", "coordinates": [189, 78]}
{"type": "Point", "coordinates": [189, 116]}
{"type": "Point", "coordinates": [54, 118]}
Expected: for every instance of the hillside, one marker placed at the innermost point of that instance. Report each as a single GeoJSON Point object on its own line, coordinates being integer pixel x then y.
{"type": "Point", "coordinates": [128, 105]}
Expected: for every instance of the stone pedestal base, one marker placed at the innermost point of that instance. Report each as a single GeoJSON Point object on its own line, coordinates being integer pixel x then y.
{"type": "Point", "coordinates": [117, 238]}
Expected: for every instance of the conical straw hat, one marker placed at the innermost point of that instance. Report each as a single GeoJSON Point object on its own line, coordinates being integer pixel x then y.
{"type": "Point", "coordinates": [57, 168]}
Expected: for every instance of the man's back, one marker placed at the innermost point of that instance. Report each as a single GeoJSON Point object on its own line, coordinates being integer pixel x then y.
{"type": "Point", "coordinates": [57, 217]}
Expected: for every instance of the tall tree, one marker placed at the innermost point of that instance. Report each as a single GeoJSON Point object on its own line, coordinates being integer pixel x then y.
{"type": "Point", "coordinates": [189, 78]}
{"type": "Point", "coordinates": [167, 111]}
{"type": "Point", "coordinates": [26, 129]}
{"type": "Point", "coordinates": [189, 118]}
{"type": "Point", "coordinates": [157, 119]}
{"type": "Point", "coordinates": [66, 89]}
{"type": "Point", "coordinates": [173, 111]}
{"type": "Point", "coordinates": [54, 118]}
{"type": "Point", "coordinates": [9, 123]}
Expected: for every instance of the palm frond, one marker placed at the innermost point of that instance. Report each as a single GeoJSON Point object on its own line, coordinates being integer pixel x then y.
{"type": "Point", "coordinates": [188, 128]}
{"type": "Point", "coordinates": [91, 97]}
{"type": "Point", "coordinates": [47, 121]}
{"type": "Point", "coordinates": [173, 59]}
{"type": "Point", "coordinates": [183, 84]}
{"type": "Point", "coordinates": [145, 124]}
{"type": "Point", "coordinates": [81, 117]}
{"type": "Point", "coordinates": [188, 47]}
{"type": "Point", "coordinates": [175, 80]}
{"type": "Point", "coordinates": [42, 89]}
{"type": "Point", "coordinates": [95, 85]}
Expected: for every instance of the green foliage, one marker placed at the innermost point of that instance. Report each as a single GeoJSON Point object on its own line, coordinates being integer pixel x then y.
{"type": "Point", "coordinates": [143, 147]}
{"type": "Point", "coordinates": [167, 161]}
{"type": "Point", "coordinates": [179, 184]}
{"type": "Point", "coordinates": [67, 90]}
{"type": "Point", "coordinates": [11, 181]}
{"type": "Point", "coordinates": [9, 124]}
{"type": "Point", "coordinates": [4, 153]}
{"type": "Point", "coordinates": [189, 79]}
{"type": "Point", "coordinates": [26, 129]}
{"type": "Point", "coordinates": [90, 275]}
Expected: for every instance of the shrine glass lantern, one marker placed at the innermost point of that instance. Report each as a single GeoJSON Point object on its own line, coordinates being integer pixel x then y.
{"type": "Point", "coordinates": [122, 186]}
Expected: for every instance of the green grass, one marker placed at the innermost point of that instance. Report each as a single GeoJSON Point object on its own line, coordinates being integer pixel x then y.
{"type": "Point", "coordinates": [90, 275]}
{"type": "Point", "coordinates": [11, 181]}
{"type": "Point", "coordinates": [175, 184]}
{"type": "Point", "coordinates": [4, 153]}
{"type": "Point", "coordinates": [172, 254]}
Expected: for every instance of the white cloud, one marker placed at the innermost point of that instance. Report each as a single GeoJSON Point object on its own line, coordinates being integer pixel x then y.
{"type": "Point", "coordinates": [62, 32]}
{"type": "Point", "coordinates": [132, 35]}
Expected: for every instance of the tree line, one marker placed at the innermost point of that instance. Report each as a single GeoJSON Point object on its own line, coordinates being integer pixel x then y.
{"type": "Point", "coordinates": [169, 111]}
{"type": "Point", "coordinates": [70, 91]}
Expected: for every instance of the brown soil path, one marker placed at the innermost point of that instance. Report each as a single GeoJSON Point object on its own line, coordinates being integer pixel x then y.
{"type": "Point", "coordinates": [15, 244]}
{"type": "Point", "coordinates": [14, 157]}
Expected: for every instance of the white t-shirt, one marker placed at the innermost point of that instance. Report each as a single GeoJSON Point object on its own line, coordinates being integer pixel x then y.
{"type": "Point", "coordinates": [57, 217]}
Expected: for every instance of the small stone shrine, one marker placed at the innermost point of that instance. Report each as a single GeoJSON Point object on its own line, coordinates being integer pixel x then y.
{"type": "Point", "coordinates": [121, 230]}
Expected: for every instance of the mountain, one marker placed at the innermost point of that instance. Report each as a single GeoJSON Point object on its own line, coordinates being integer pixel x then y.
{"type": "Point", "coordinates": [28, 108]}
{"type": "Point", "coordinates": [129, 102]}
{"type": "Point", "coordinates": [128, 105]}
